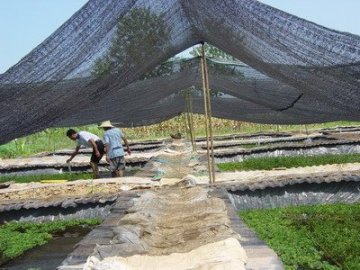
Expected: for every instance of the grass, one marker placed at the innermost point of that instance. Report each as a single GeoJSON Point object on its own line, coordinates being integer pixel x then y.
{"type": "Point", "coordinates": [47, 140]}
{"type": "Point", "coordinates": [40, 177]}
{"type": "Point", "coordinates": [248, 145]}
{"type": "Point", "coordinates": [268, 163]}
{"type": "Point", "coordinates": [54, 138]}
{"type": "Point", "coordinates": [17, 237]}
{"type": "Point", "coordinates": [310, 237]}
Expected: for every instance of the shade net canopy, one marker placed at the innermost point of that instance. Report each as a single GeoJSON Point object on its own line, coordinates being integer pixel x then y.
{"type": "Point", "coordinates": [110, 60]}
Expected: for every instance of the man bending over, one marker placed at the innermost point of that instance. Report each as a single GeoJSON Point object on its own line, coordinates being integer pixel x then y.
{"type": "Point", "coordinates": [89, 140]}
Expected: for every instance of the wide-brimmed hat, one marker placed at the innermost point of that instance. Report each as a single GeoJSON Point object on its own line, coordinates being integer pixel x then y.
{"type": "Point", "coordinates": [106, 124]}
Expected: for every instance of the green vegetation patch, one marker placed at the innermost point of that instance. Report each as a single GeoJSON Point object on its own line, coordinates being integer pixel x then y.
{"type": "Point", "coordinates": [311, 237]}
{"type": "Point", "coordinates": [17, 237]}
{"type": "Point", "coordinates": [40, 177]}
{"type": "Point", "coordinates": [49, 139]}
{"type": "Point", "coordinates": [268, 163]}
{"type": "Point", "coordinates": [248, 145]}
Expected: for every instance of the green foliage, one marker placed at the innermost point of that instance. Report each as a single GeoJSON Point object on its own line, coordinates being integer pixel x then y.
{"type": "Point", "coordinates": [164, 69]}
{"type": "Point", "coordinates": [40, 177]}
{"type": "Point", "coordinates": [220, 68]}
{"type": "Point", "coordinates": [268, 163]}
{"type": "Point", "coordinates": [212, 52]}
{"type": "Point", "coordinates": [46, 140]}
{"type": "Point", "coordinates": [311, 237]}
{"type": "Point", "coordinates": [140, 35]}
{"type": "Point", "coordinates": [8, 151]}
{"type": "Point", "coordinates": [102, 66]}
{"type": "Point", "coordinates": [17, 237]}
{"type": "Point", "coordinates": [50, 139]}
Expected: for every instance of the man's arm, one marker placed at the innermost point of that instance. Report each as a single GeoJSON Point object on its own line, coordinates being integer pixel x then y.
{"type": "Point", "coordinates": [74, 153]}
{"type": "Point", "coordinates": [127, 145]}
{"type": "Point", "coordinates": [107, 149]}
{"type": "Point", "coordinates": [95, 148]}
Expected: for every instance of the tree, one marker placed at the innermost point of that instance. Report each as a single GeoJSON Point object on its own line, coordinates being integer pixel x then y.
{"type": "Point", "coordinates": [214, 67]}
{"type": "Point", "coordinates": [139, 35]}
{"type": "Point", "coordinates": [212, 52]}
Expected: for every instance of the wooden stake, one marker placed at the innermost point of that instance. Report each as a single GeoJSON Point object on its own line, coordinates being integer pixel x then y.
{"type": "Point", "coordinates": [306, 129]}
{"type": "Point", "coordinates": [206, 120]}
{"type": "Point", "coordinates": [190, 120]}
{"type": "Point", "coordinates": [208, 115]}
{"type": "Point", "coordinates": [192, 123]}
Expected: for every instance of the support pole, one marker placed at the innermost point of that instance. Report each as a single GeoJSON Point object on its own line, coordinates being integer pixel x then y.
{"type": "Point", "coordinates": [190, 120]}
{"type": "Point", "coordinates": [192, 123]}
{"type": "Point", "coordinates": [208, 121]}
{"type": "Point", "coordinates": [187, 132]}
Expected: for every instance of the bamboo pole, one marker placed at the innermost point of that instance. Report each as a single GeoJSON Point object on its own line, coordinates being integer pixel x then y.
{"type": "Point", "coordinates": [208, 117]}
{"type": "Point", "coordinates": [306, 130]}
{"type": "Point", "coordinates": [192, 123]}
{"type": "Point", "coordinates": [187, 119]}
{"type": "Point", "coordinates": [190, 120]}
{"type": "Point", "coordinates": [185, 126]}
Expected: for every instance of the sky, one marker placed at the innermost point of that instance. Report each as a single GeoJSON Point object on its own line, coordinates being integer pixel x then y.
{"type": "Point", "coordinates": [24, 24]}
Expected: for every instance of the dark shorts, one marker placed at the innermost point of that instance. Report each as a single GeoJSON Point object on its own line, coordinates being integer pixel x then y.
{"type": "Point", "coordinates": [117, 164]}
{"type": "Point", "coordinates": [101, 148]}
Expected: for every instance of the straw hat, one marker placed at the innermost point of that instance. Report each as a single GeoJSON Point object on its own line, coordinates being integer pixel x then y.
{"type": "Point", "coordinates": [106, 124]}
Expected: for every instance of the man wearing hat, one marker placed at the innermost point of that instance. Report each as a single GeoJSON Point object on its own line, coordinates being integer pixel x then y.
{"type": "Point", "coordinates": [113, 138]}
